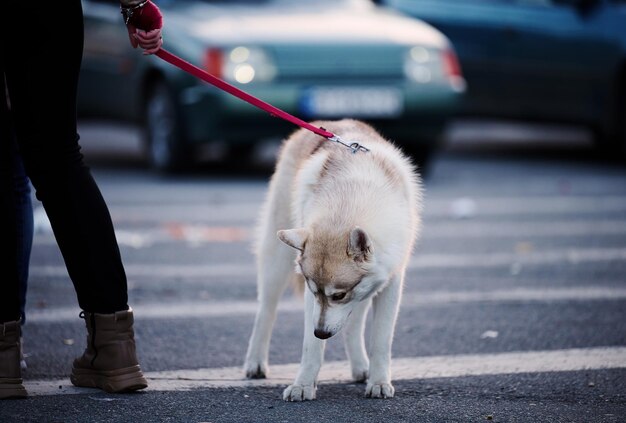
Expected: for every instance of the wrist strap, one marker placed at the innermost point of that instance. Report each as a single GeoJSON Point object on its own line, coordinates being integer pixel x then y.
{"type": "Point", "coordinates": [127, 12]}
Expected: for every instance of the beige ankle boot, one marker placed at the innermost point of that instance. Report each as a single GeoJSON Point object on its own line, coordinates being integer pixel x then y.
{"type": "Point", "coordinates": [109, 361]}
{"type": "Point", "coordinates": [10, 373]}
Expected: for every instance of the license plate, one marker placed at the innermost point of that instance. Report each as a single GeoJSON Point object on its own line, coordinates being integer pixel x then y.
{"type": "Point", "coordinates": [358, 102]}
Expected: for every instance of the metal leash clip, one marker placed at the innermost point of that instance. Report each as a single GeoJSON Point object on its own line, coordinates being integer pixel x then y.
{"type": "Point", "coordinates": [355, 146]}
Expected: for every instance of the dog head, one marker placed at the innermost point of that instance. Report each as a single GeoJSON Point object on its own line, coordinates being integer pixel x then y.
{"type": "Point", "coordinates": [340, 271]}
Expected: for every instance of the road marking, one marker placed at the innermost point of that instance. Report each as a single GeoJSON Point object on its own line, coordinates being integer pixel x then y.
{"type": "Point", "coordinates": [524, 229]}
{"type": "Point", "coordinates": [419, 261]}
{"type": "Point", "coordinates": [288, 305]}
{"type": "Point", "coordinates": [499, 259]}
{"type": "Point", "coordinates": [436, 207]}
{"type": "Point", "coordinates": [446, 366]}
{"type": "Point", "coordinates": [199, 234]}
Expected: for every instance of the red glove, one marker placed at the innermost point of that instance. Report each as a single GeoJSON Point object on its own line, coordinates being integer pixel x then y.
{"type": "Point", "coordinates": [144, 27]}
{"type": "Point", "coordinates": [146, 17]}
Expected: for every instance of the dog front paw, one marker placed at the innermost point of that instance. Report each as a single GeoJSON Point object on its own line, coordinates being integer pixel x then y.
{"type": "Point", "coordinates": [299, 393]}
{"type": "Point", "coordinates": [256, 370]}
{"type": "Point", "coordinates": [379, 390]}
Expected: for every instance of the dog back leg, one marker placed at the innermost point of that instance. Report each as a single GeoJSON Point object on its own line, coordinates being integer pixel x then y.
{"type": "Point", "coordinates": [385, 311]}
{"type": "Point", "coordinates": [354, 341]}
{"type": "Point", "coordinates": [275, 272]}
{"type": "Point", "coordinates": [275, 267]}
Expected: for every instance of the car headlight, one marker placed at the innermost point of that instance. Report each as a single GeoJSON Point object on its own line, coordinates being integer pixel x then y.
{"type": "Point", "coordinates": [240, 64]}
{"type": "Point", "coordinates": [429, 66]}
{"type": "Point", "coordinates": [418, 65]}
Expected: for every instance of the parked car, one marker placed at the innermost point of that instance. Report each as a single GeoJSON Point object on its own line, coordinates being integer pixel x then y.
{"type": "Point", "coordinates": [561, 61]}
{"type": "Point", "coordinates": [321, 59]}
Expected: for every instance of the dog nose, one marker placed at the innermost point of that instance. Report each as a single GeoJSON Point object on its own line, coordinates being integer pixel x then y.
{"type": "Point", "coordinates": [322, 334]}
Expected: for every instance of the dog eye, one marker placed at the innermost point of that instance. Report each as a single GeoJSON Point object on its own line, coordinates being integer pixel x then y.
{"type": "Point", "coordinates": [338, 296]}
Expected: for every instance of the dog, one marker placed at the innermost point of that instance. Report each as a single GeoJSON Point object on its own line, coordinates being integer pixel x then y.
{"type": "Point", "coordinates": [350, 220]}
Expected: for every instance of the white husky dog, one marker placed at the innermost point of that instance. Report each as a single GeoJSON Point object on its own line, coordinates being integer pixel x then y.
{"type": "Point", "coordinates": [351, 220]}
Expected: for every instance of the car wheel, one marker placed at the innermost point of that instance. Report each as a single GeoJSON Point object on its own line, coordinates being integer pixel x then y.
{"type": "Point", "coordinates": [165, 144]}
{"type": "Point", "coordinates": [611, 143]}
{"type": "Point", "coordinates": [621, 121]}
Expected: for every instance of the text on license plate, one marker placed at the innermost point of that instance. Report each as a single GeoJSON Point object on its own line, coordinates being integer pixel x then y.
{"type": "Point", "coordinates": [358, 102]}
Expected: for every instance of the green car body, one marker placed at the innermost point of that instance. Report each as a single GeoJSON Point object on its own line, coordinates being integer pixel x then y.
{"type": "Point", "coordinates": [315, 60]}
{"type": "Point", "coordinates": [558, 61]}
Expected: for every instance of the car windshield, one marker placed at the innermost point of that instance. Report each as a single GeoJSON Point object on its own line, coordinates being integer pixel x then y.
{"type": "Point", "coordinates": [292, 2]}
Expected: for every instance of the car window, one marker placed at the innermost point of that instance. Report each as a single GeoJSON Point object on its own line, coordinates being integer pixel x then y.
{"type": "Point", "coordinates": [320, 4]}
{"type": "Point", "coordinates": [469, 1]}
{"type": "Point", "coordinates": [510, 2]}
{"type": "Point", "coordinates": [535, 2]}
{"type": "Point", "coordinates": [539, 3]}
{"type": "Point", "coordinates": [234, 1]}
{"type": "Point", "coordinates": [115, 2]}
{"type": "Point", "coordinates": [286, 1]}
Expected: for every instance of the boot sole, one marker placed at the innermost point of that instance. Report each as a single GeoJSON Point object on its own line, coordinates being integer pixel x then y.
{"type": "Point", "coordinates": [113, 381]}
{"type": "Point", "coordinates": [12, 388]}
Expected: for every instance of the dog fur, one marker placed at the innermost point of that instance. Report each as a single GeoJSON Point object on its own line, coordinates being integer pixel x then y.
{"type": "Point", "coordinates": [350, 221]}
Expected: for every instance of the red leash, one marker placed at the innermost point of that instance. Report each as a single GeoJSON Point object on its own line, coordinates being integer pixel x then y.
{"type": "Point", "coordinates": [231, 89]}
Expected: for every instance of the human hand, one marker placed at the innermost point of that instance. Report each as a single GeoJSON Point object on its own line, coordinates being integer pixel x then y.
{"type": "Point", "coordinates": [150, 41]}
{"type": "Point", "coordinates": [144, 26]}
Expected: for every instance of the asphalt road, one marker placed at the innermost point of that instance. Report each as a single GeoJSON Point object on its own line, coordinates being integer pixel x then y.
{"type": "Point", "coordinates": [514, 308]}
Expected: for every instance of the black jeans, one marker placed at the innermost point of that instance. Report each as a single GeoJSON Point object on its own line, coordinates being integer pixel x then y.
{"type": "Point", "coordinates": [25, 225]}
{"type": "Point", "coordinates": [41, 80]}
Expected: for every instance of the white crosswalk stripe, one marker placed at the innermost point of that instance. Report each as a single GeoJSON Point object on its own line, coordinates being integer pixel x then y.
{"type": "Point", "coordinates": [402, 369]}
{"type": "Point", "coordinates": [420, 261]}
{"type": "Point", "coordinates": [413, 299]}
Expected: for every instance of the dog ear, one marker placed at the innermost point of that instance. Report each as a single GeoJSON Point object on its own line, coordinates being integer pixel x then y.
{"type": "Point", "coordinates": [359, 245]}
{"type": "Point", "coordinates": [295, 238]}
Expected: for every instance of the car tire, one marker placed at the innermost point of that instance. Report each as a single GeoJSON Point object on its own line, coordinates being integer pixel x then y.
{"type": "Point", "coordinates": [611, 143]}
{"type": "Point", "coordinates": [165, 144]}
{"type": "Point", "coordinates": [620, 134]}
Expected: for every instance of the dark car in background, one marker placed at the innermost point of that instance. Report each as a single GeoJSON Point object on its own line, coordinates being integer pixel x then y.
{"type": "Point", "coordinates": [561, 61]}
{"type": "Point", "coordinates": [321, 59]}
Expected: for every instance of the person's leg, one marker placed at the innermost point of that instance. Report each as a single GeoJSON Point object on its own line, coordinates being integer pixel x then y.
{"type": "Point", "coordinates": [9, 232]}
{"type": "Point", "coordinates": [42, 83]}
{"type": "Point", "coordinates": [25, 223]}
{"type": "Point", "coordinates": [10, 373]}
{"type": "Point", "coordinates": [25, 232]}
